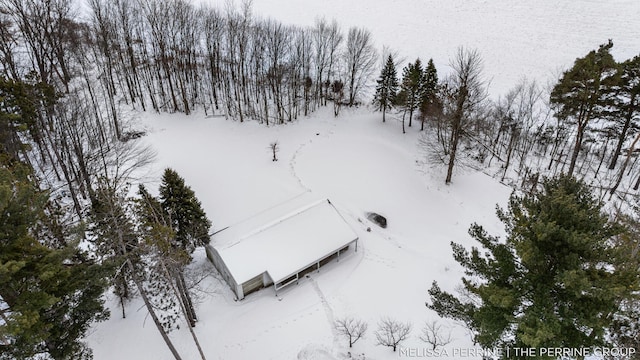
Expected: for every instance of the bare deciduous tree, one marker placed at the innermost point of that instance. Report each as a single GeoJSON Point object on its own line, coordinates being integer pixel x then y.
{"type": "Point", "coordinates": [360, 61]}
{"type": "Point", "coordinates": [351, 328]}
{"type": "Point", "coordinates": [337, 90]}
{"type": "Point", "coordinates": [513, 117]}
{"type": "Point", "coordinates": [274, 146]}
{"type": "Point", "coordinates": [466, 91]}
{"type": "Point", "coordinates": [327, 40]}
{"type": "Point", "coordinates": [392, 332]}
{"type": "Point", "coordinates": [435, 335]}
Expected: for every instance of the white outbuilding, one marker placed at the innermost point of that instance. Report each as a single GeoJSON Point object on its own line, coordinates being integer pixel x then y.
{"type": "Point", "coordinates": [280, 245]}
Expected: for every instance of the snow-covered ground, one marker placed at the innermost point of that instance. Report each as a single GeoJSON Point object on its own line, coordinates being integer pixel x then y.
{"type": "Point", "coordinates": [362, 165]}
{"type": "Point", "coordinates": [359, 163]}
{"type": "Point", "coordinates": [516, 38]}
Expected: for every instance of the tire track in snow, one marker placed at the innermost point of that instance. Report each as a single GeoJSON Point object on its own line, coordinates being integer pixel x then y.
{"type": "Point", "coordinates": [327, 309]}
{"type": "Point", "coordinates": [251, 338]}
{"type": "Point", "coordinates": [292, 165]}
{"type": "Point", "coordinates": [294, 159]}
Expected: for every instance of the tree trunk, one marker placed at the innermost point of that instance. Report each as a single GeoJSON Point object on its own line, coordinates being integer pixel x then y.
{"type": "Point", "coordinates": [621, 139]}
{"type": "Point", "coordinates": [509, 152]}
{"type": "Point", "coordinates": [384, 111]}
{"type": "Point", "coordinates": [143, 293]}
{"type": "Point", "coordinates": [152, 312]}
{"type": "Point", "coordinates": [604, 154]}
{"type": "Point", "coordinates": [576, 149]}
{"type": "Point", "coordinates": [410, 114]}
{"type": "Point", "coordinates": [624, 166]}
{"type": "Point", "coordinates": [180, 295]}
{"type": "Point", "coordinates": [186, 298]}
{"type": "Point", "coordinates": [403, 115]}
{"type": "Point", "coordinates": [452, 154]}
{"type": "Point", "coordinates": [455, 132]}
{"type": "Point", "coordinates": [67, 176]}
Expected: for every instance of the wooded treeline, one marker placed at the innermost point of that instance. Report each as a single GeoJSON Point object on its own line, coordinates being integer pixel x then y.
{"type": "Point", "coordinates": [168, 55]}
{"type": "Point", "coordinates": [165, 56]}
{"type": "Point", "coordinates": [68, 230]}
{"type": "Point", "coordinates": [586, 125]}
{"type": "Point", "coordinates": [69, 79]}
{"type": "Point", "coordinates": [171, 56]}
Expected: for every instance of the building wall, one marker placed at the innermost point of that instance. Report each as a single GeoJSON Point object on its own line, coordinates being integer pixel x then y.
{"type": "Point", "coordinates": [218, 263]}
{"type": "Point", "coordinates": [333, 256]}
{"type": "Point", "coordinates": [264, 279]}
{"type": "Point", "coordinates": [254, 284]}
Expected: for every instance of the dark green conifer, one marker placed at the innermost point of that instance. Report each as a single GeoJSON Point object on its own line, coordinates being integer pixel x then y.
{"type": "Point", "coordinates": [625, 114]}
{"type": "Point", "coordinates": [115, 239]}
{"type": "Point", "coordinates": [183, 211]}
{"type": "Point", "coordinates": [413, 87]}
{"type": "Point", "coordinates": [557, 280]}
{"type": "Point", "coordinates": [583, 94]}
{"type": "Point", "coordinates": [429, 103]}
{"type": "Point", "coordinates": [172, 226]}
{"type": "Point", "coordinates": [50, 290]}
{"type": "Point", "coordinates": [387, 88]}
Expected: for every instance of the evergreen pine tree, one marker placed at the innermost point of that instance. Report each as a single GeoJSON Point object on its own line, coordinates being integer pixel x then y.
{"type": "Point", "coordinates": [50, 291]}
{"type": "Point", "coordinates": [387, 87]}
{"type": "Point", "coordinates": [583, 94]}
{"type": "Point", "coordinates": [183, 211]}
{"type": "Point", "coordinates": [429, 101]}
{"type": "Point", "coordinates": [115, 239]}
{"type": "Point", "coordinates": [166, 258]}
{"type": "Point", "coordinates": [20, 102]}
{"type": "Point", "coordinates": [173, 226]}
{"type": "Point", "coordinates": [430, 79]}
{"type": "Point", "coordinates": [123, 243]}
{"type": "Point", "coordinates": [626, 105]}
{"type": "Point", "coordinates": [413, 87]}
{"type": "Point", "coordinates": [557, 280]}
{"type": "Point", "coordinates": [625, 328]}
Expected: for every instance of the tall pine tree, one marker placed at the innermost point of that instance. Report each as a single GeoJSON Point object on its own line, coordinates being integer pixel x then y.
{"type": "Point", "coordinates": [429, 102]}
{"type": "Point", "coordinates": [116, 240]}
{"type": "Point", "coordinates": [20, 104]}
{"type": "Point", "coordinates": [626, 105]}
{"type": "Point", "coordinates": [184, 211]}
{"type": "Point", "coordinates": [412, 87]}
{"type": "Point", "coordinates": [557, 280]}
{"type": "Point", "coordinates": [387, 88]}
{"type": "Point", "coordinates": [584, 94]}
{"type": "Point", "coordinates": [50, 290]}
{"type": "Point", "coordinates": [173, 225]}
{"type": "Point", "coordinates": [122, 245]}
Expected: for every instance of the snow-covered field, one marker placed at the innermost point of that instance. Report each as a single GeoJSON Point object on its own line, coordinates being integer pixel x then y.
{"type": "Point", "coordinates": [359, 163]}
{"type": "Point", "coordinates": [362, 165]}
{"type": "Point", "coordinates": [516, 38]}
